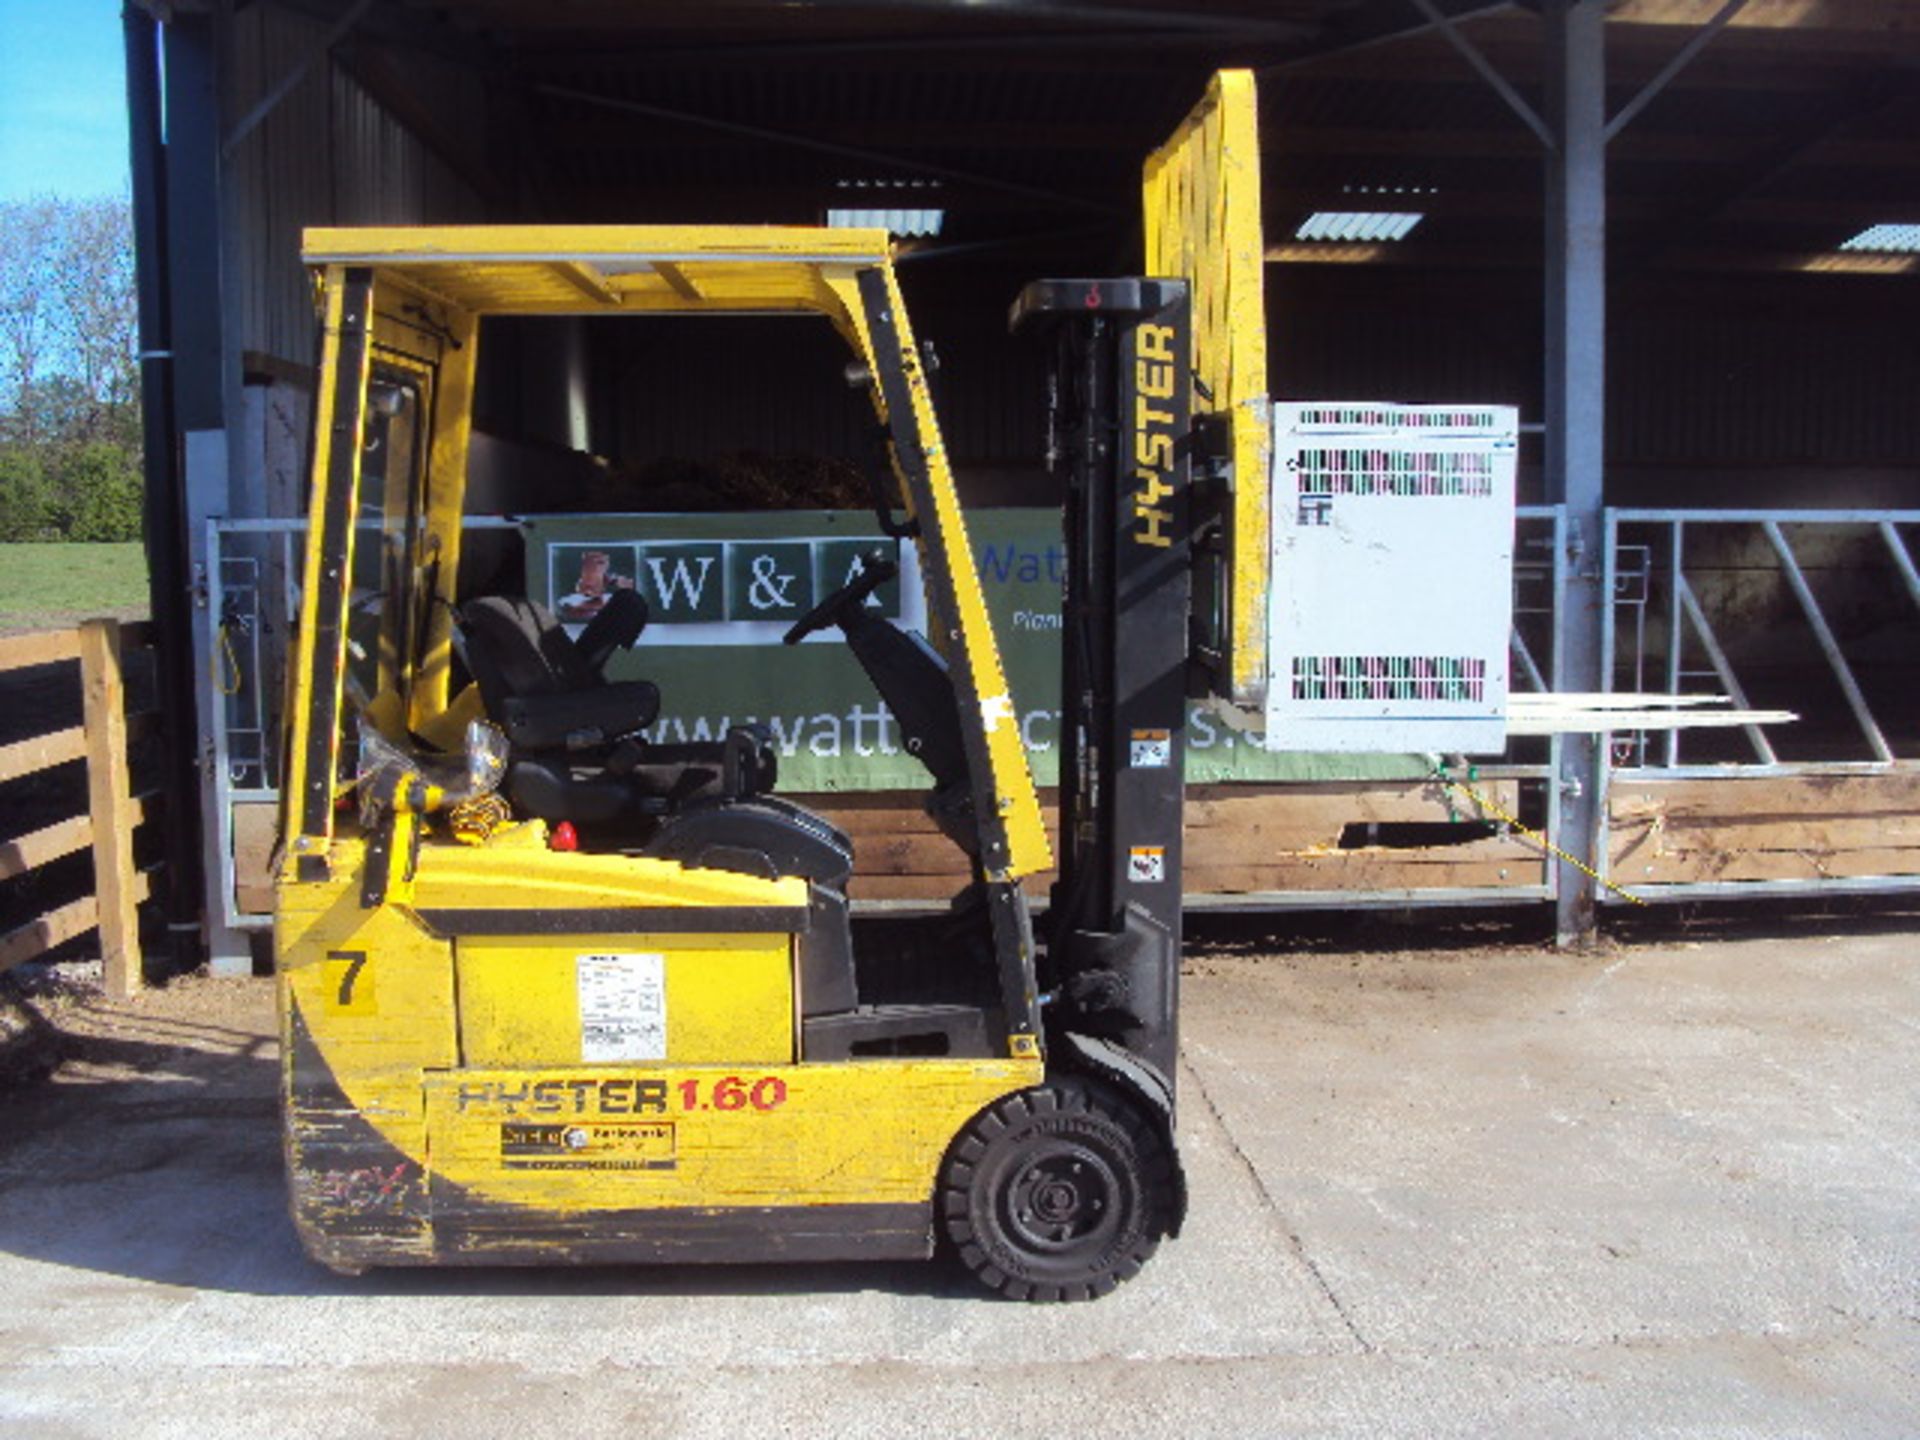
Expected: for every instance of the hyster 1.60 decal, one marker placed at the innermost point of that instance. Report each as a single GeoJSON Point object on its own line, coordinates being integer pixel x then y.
{"type": "Point", "coordinates": [623, 1095]}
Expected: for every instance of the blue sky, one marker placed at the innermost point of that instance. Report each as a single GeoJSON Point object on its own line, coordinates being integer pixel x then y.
{"type": "Point", "coordinates": [63, 99]}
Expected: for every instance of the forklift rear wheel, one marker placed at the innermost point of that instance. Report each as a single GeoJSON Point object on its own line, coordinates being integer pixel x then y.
{"type": "Point", "coordinates": [1057, 1193]}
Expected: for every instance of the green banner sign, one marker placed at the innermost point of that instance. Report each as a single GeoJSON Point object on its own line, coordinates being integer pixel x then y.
{"type": "Point", "coordinates": [702, 592]}
{"type": "Point", "coordinates": [722, 590]}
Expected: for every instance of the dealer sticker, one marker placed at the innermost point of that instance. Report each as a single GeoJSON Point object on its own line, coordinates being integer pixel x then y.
{"type": "Point", "coordinates": [623, 1007]}
{"type": "Point", "coordinates": [587, 1145]}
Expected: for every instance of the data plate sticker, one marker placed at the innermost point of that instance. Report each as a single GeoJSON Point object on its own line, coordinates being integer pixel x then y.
{"type": "Point", "coordinates": [1152, 749]}
{"type": "Point", "coordinates": [623, 1007]}
{"type": "Point", "coordinates": [587, 1146]}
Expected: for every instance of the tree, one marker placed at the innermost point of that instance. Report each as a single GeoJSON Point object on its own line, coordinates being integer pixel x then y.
{"type": "Point", "coordinates": [27, 245]}
{"type": "Point", "coordinates": [70, 463]}
{"type": "Point", "coordinates": [98, 490]}
{"type": "Point", "coordinates": [99, 307]}
{"type": "Point", "coordinates": [26, 498]}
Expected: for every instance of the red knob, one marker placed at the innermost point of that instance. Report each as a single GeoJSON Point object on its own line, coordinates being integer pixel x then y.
{"type": "Point", "coordinates": [564, 837]}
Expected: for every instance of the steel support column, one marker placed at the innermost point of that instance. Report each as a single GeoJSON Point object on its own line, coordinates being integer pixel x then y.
{"type": "Point", "coordinates": [1576, 207]}
{"type": "Point", "coordinates": [203, 387]}
{"type": "Point", "coordinates": [179, 891]}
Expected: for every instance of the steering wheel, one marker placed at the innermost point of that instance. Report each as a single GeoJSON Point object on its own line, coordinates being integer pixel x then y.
{"type": "Point", "coordinates": [875, 571]}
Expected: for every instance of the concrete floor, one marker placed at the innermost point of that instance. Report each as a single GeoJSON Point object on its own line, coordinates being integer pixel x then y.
{"type": "Point", "coordinates": [1672, 1189]}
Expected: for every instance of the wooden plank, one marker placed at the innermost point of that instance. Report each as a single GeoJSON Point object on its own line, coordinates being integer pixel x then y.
{"type": "Point", "coordinates": [909, 855]}
{"type": "Point", "coordinates": [256, 830]}
{"type": "Point", "coordinates": [1799, 827]}
{"type": "Point", "coordinates": [56, 927]}
{"type": "Point", "coordinates": [110, 801]}
{"type": "Point", "coordinates": [42, 752]}
{"type": "Point", "coordinates": [39, 847]}
{"type": "Point", "coordinates": [1792, 833]}
{"type": "Point", "coordinates": [1251, 842]}
{"type": "Point", "coordinates": [1823, 796]}
{"type": "Point", "coordinates": [1370, 870]}
{"type": "Point", "coordinates": [1496, 848]}
{"type": "Point", "coordinates": [1239, 838]}
{"type": "Point", "coordinates": [1291, 816]}
{"type": "Point", "coordinates": [1695, 867]}
{"type": "Point", "coordinates": [934, 888]}
{"type": "Point", "coordinates": [41, 647]}
{"type": "Point", "coordinates": [880, 813]}
{"type": "Point", "coordinates": [1457, 866]}
{"type": "Point", "coordinates": [1259, 844]}
{"type": "Point", "coordinates": [1340, 803]}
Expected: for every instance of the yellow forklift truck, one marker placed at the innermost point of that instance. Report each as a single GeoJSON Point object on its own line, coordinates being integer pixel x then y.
{"type": "Point", "coordinates": [552, 992]}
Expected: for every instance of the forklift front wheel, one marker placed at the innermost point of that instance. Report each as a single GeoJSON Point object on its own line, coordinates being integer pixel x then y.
{"type": "Point", "coordinates": [1057, 1193]}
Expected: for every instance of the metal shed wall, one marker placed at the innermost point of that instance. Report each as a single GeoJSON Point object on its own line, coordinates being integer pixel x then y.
{"type": "Point", "coordinates": [327, 154]}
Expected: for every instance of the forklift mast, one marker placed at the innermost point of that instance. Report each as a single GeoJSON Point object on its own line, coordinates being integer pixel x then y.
{"type": "Point", "coordinates": [1118, 386]}
{"type": "Point", "coordinates": [1167, 566]}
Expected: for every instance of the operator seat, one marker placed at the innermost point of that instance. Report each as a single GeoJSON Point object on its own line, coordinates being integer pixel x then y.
{"type": "Point", "coordinates": [576, 752]}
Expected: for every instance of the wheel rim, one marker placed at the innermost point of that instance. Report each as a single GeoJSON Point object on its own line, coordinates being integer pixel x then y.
{"type": "Point", "coordinates": [1061, 1197]}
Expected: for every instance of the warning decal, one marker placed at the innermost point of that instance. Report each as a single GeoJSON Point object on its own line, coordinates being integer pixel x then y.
{"type": "Point", "coordinates": [623, 1007]}
{"type": "Point", "coordinates": [1151, 749]}
{"type": "Point", "coordinates": [1147, 863]}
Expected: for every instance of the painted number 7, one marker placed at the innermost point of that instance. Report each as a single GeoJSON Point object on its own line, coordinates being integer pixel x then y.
{"type": "Point", "coordinates": [356, 962]}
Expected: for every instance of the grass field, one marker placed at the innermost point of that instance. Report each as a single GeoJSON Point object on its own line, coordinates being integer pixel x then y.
{"type": "Point", "coordinates": [48, 586]}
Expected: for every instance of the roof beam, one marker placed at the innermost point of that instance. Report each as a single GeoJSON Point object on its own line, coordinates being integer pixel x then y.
{"type": "Point", "coordinates": [1697, 42]}
{"type": "Point", "coordinates": [1484, 67]}
{"type": "Point", "coordinates": [290, 81]}
{"type": "Point", "coordinates": [1384, 26]}
{"type": "Point", "coordinates": [1853, 15]}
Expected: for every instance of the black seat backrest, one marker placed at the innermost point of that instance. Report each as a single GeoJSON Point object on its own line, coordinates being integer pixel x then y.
{"type": "Point", "coordinates": [517, 648]}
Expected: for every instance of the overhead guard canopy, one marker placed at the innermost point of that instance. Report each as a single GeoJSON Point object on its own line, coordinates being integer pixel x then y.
{"type": "Point", "coordinates": [610, 269]}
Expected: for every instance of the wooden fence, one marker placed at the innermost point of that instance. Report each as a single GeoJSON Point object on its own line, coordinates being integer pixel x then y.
{"type": "Point", "coordinates": [113, 811]}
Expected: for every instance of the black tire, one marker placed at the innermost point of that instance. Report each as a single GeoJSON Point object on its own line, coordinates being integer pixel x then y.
{"type": "Point", "coordinates": [1057, 1193]}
